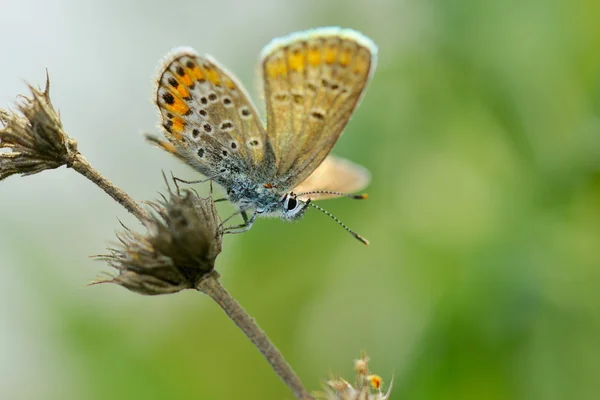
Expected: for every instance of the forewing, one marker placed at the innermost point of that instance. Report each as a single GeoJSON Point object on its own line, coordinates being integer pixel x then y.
{"type": "Point", "coordinates": [335, 174]}
{"type": "Point", "coordinates": [312, 81]}
{"type": "Point", "coordinates": [207, 116]}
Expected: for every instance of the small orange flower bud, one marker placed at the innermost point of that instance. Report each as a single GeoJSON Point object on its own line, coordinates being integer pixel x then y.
{"type": "Point", "coordinates": [375, 381]}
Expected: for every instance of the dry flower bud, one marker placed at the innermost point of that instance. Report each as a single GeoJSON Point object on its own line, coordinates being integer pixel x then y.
{"type": "Point", "coordinates": [35, 136]}
{"type": "Point", "coordinates": [361, 366]}
{"type": "Point", "coordinates": [339, 385]}
{"type": "Point", "coordinates": [183, 240]}
{"type": "Point", "coordinates": [366, 387]}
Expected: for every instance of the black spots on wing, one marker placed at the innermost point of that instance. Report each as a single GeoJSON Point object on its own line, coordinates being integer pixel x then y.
{"type": "Point", "coordinates": [227, 101]}
{"type": "Point", "coordinates": [201, 153]}
{"type": "Point", "coordinates": [168, 98]}
{"type": "Point", "coordinates": [195, 133]}
{"type": "Point", "coordinates": [180, 71]}
{"type": "Point", "coordinates": [203, 112]}
{"type": "Point", "coordinates": [173, 82]}
{"type": "Point", "coordinates": [212, 97]}
{"type": "Point", "coordinates": [280, 96]}
{"type": "Point", "coordinates": [313, 86]}
{"type": "Point", "coordinates": [189, 64]}
{"type": "Point", "coordinates": [253, 143]}
{"type": "Point", "coordinates": [207, 128]}
{"type": "Point", "coordinates": [317, 114]}
{"type": "Point", "coordinates": [234, 145]}
{"type": "Point", "coordinates": [226, 126]}
{"type": "Point", "coordinates": [225, 153]}
{"type": "Point", "coordinates": [245, 112]}
{"type": "Point", "coordinates": [203, 100]}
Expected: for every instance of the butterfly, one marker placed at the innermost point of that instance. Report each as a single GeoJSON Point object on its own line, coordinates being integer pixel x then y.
{"type": "Point", "coordinates": [312, 82]}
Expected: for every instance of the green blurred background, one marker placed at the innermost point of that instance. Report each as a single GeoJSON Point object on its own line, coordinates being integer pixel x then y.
{"type": "Point", "coordinates": [482, 131]}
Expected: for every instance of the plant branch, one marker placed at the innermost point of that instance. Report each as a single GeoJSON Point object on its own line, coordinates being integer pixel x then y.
{"type": "Point", "coordinates": [80, 164]}
{"type": "Point", "coordinates": [211, 286]}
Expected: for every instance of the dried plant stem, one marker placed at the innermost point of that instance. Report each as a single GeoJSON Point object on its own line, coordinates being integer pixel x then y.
{"type": "Point", "coordinates": [211, 286]}
{"type": "Point", "coordinates": [81, 165]}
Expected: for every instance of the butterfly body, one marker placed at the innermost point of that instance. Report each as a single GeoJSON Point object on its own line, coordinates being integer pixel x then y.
{"type": "Point", "coordinates": [312, 82]}
{"type": "Point", "coordinates": [246, 193]}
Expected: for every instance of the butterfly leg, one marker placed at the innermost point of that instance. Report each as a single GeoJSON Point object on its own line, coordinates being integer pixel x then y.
{"type": "Point", "coordinates": [241, 211]}
{"type": "Point", "coordinates": [198, 181]}
{"type": "Point", "coordinates": [242, 227]}
{"type": "Point", "coordinates": [245, 216]}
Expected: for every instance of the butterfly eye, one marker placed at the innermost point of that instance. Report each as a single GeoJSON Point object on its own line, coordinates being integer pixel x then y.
{"type": "Point", "coordinates": [293, 209]}
{"type": "Point", "coordinates": [290, 203]}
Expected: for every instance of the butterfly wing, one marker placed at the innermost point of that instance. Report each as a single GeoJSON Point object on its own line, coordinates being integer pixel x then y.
{"type": "Point", "coordinates": [335, 174]}
{"type": "Point", "coordinates": [313, 81]}
{"type": "Point", "coordinates": [207, 116]}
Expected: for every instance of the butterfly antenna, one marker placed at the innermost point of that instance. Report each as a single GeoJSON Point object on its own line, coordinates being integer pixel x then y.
{"type": "Point", "coordinates": [350, 231]}
{"type": "Point", "coordinates": [348, 195]}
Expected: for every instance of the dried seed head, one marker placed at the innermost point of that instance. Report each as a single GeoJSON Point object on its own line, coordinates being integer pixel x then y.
{"type": "Point", "coordinates": [361, 366]}
{"type": "Point", "coordinates": [183, 240]}
{"type": "Point", "coordinates": [366, 387]}
{"type": "Point", "coordinates": [34, 135]}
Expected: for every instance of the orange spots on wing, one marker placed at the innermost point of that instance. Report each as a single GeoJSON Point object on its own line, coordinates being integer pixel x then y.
{"type": "Point", "coordinates": [314, 56]}
{"type": "Point", "coordinates": [330, 55]}
{"type": "Point", "coordinates": [178, 106]}
{"type": "Point", "coordinates": [345, 58]}
{"type": "Point", "coordinates": [271, 70]}
{"type": "Point", "coordinates": [276, 68]}
{"type": "Point", "coordinates": [183, 91]}
{"type": "Point", "coordinates": [362, 62]}
{"type": "Point", "coordinates": [361, 66]}
{"type": "Point", "coordinates": [197, 73]}
{"type": "Point", "coordinates": [229, 84]}
{"type": "Point", "coordinates": [296, 61]}
{"type": "Point", "coordinates": [186, 78]}
{"type": "Point", "coordinates": [213, 76]}
{"type": "Point", "coordinates": [178, 125]}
